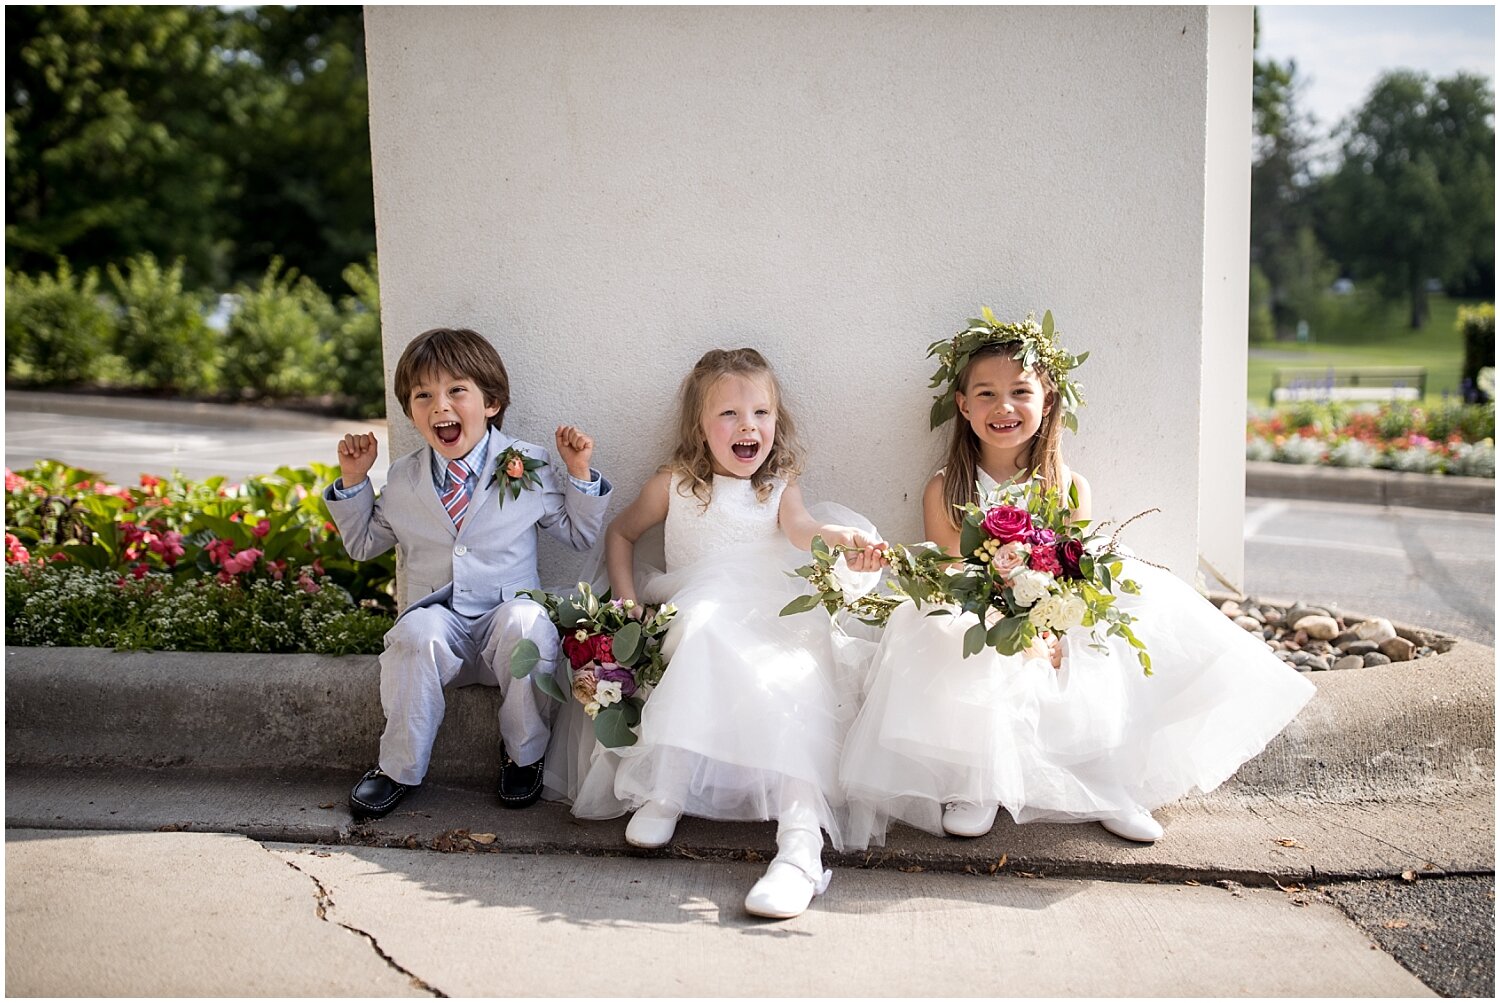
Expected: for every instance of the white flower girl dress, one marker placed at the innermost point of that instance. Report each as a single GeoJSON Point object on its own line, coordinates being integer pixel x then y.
{"type": "Point", "coordinates": [1093, 740]}
{"type": "Point", "coordinates": [749, 718]}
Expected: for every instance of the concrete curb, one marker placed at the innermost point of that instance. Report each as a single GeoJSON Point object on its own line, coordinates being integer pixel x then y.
{"type": "Point", "coordinates": [1368, 487]}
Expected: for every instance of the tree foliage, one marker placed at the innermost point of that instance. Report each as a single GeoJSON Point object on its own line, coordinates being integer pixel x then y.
{"type": "Point", "coordinates": [219, 137]}
{"type": "Point", "coordinates": [1414, 196]}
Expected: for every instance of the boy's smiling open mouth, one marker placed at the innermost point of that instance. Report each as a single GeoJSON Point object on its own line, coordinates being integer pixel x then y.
{"type": "Point", "coordinates": [448, 432]}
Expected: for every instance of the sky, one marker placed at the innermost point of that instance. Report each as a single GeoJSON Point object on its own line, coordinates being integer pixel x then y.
{"type": "Point", "coordinates": [1340, 51]}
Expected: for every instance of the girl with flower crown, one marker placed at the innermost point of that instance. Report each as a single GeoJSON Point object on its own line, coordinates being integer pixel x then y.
{"type": "Point", "coordinates": [1070, 729]}
{"type": "Point", "coordinates": [747, 720]}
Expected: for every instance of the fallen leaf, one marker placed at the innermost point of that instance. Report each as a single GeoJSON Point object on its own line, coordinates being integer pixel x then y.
{"type": "Point", "coordinates": [752, 857]}
{"type": "Point", "coordinates": [1000, 864]}
{"type": "Point", "coordinates": [912, 869]}
{"type": "Point", "coordinates": [483, 838]}
{"type": "Point", "coordinates": [1409, 876]}
{"type": "Point", "coordinates": [1195, 884]}
{"type": "Point", "coordinates": [1031, 874]}
{"type": "Point", "coordinates": [1232, 887]}
{"type": "Point", "coordinates": [329, 804]}
{"type": "Point", "coordinates": [1291, 842]}
{"type": "Point", "coordinates": [1396, 924]}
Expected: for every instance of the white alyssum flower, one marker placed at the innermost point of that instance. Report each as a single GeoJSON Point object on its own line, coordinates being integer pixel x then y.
{"type": "Point", "coordinates": [607, 692]}
{"type": "Point", "coordinates": [1028, 586]}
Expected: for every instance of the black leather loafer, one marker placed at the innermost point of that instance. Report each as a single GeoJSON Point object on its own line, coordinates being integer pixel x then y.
{"type": "Point", "coordinates": [376, 794]}
{"type": "Point", "coordinates": [520, 786]}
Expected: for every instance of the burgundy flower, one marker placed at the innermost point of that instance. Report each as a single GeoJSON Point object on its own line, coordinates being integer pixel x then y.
{"type": "Point", "coordinates": [1069, 554]}
{"type": "Point", "coordinates": [618, 674]}
{"type": "Point", "coordinates": [579, 653]}
{"type": "Point", "coordinates": [1006, 523]}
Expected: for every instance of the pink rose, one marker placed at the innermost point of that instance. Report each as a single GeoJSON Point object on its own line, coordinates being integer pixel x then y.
{"type": "Point", "coordinates": [1045, 559]}
{"type": "Point", "coordinates": [1007, 523]}
{"type": "Point", "coordinates": [583, 686]}
{"type": "Point", "coordinates": [515, 468]}
{"type": "Point", "coordinates": [262, 528]}
{"type": "Point", "coordinates": [1010, 558]}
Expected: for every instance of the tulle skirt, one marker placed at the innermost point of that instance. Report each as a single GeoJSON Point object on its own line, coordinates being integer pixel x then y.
{"type": "Point", "coordinates": [749, 719]}
{"type": "Point", "coordinates": [1092, 739]}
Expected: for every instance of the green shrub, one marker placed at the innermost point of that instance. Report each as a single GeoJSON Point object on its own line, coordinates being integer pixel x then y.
{"type": "Point", "coordinates": [276, 344]}
{"type": "Point", "coordinates": [1477, 327]}
{"type": "Point", "coordinates": [355, 361]}
{"type": "Point", "coordinates": [1398, 419]}
{"type": "Point", "coordinates": [161, 333]}
{"type": "Point", "coordinates": [64, 605]}
{"type": "Point", "coordinates": [1262, 327]}
{"type": "Point", "coordinates": [58, 328]}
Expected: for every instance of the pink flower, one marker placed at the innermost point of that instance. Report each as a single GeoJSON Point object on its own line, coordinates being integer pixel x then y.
{"type": "Point", "coordinates": [277, 569]}
{"type": "Point", "coordinates": [219, 550]}
{"type": "Point", "coordinates": [1042, 536]}
{"type": "Point", "coordinates": [515, 467]}
{"type": "Point", "coordinates": [13, 482]}
{"type": "Point", "coordinates": [603, 649]}
{"type": "Point", "coordinates": [169, 546]}
{"type": "Point", "coordinates": [1045, 559]}
{"type": "Point", "coordinates": [262, 528]}
{"type": "Point", "coordinates": [1007, 523]}
{"type": "Point", "coordinates": [308, 585]}
{"type": "Point", "coordinates": [15, 551]}
{"type": "Point", "coordinates": [1010, 558]}
{"type": "Point", "coordinates": [242, 562]}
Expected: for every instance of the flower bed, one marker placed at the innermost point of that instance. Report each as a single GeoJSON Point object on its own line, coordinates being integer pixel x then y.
{"type": "Point", "coordinates": [1450, 438]}
{"type": "Point", "coordinates": [178, 565]}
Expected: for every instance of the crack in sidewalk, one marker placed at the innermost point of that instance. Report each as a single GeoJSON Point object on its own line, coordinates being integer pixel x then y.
{"type": "Point", "coordinates": [325, 902]}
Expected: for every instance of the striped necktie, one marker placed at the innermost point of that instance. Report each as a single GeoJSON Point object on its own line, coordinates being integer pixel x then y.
{"type": "Point", "coordinates": [456, 497]}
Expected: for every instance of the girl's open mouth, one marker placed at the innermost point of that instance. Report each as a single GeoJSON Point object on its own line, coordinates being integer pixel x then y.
{"type": "Point", "coordinates": [745, 450]}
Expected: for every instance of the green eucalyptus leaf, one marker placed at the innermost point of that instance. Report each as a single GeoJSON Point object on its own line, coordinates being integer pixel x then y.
{"type": "Point", "coordinates": [524, 658]}
{"type": "Point", "coordinates": [801, 604]}
{"type": "Point", "coordinates": [547, 683]}
{"type": "Point", "coordinates": [628, 643]}
{"type": "Point", "coordinates": [974, 640]}
{"type": "Point", "coordinates": [612, 728]}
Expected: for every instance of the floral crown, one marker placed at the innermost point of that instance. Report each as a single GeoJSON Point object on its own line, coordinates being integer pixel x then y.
{"type": "Point", "coordinates": [1036, 345]}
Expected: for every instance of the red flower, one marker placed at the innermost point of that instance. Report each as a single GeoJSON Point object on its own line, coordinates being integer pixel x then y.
{"type": "Point", "coordinates": [579, 653]}
{"type": "Point", "coordinates": [13, 482]}
{"type": "Point", "coordinates": [603, 648]}
{"type": "Point", "coordinates": [1045, 559]}
{"type": "Point", "coordinates": [1007, 523]}
{"type": "Point", "coordinates": [147, 481]}
{"type": "Point", "coordinates": [242, 562]}
{"type": "Point", "coordinates": [15, 550]}
{"type": "Point", "coordinates": [262, 528]}
{"type": "Point", "coordinates": [308, 585]}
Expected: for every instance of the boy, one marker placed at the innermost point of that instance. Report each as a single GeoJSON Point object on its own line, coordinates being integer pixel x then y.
{"type": "Point", "coordinates": [464, 510]}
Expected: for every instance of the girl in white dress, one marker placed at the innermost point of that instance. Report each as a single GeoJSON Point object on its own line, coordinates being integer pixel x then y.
{"type": "Point", "coordinates": [748, 720]}
{"type": "Point", "coordinates": [1062, 731]}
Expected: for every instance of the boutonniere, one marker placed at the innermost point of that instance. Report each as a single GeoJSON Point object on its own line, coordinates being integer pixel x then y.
{"type": "Point", "coordinates": [515, 472]}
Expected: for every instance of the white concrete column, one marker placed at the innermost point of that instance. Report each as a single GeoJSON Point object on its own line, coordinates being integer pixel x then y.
{"type": "Point", "coordinates": [608, 192]}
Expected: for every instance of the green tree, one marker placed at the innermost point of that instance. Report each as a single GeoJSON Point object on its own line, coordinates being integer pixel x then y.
{"type": "Point", "coordinates": [1414, 198]}
{"type": "Point", "coordinates": [113, 125]}
{"type": "Point", "coordinates": [1283, 245]}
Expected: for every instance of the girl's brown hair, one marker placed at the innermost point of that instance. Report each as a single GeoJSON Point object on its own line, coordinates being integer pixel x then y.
{"type": "Point", "coordinates": [692, 458]}
{"type": "Point", "coordinates": [458, 352]}
{"type": "Point", "coordinates": [1043, 454]}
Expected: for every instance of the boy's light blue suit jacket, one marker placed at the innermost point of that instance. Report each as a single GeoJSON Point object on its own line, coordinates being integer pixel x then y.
{"type": "Point", "coordinates": [494, 556]}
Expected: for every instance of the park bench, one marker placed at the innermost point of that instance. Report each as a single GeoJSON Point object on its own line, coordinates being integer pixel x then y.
{"type": "Point", "coordinates": [1333, 383]}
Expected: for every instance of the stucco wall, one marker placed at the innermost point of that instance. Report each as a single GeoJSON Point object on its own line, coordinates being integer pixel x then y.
{"type": "Point", "coordinates": [607, 193]}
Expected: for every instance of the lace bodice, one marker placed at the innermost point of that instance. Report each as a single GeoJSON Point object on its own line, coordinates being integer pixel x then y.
{"type": "Point", "coordinates": [734, 515]}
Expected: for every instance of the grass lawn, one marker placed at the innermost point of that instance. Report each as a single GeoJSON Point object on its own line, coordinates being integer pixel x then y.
{"type": "Point", "coordinates": [1361, 331]}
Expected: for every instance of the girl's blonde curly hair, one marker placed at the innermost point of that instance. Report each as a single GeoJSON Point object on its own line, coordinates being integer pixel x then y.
{"type": "Point", "coordinates": [692, 458]}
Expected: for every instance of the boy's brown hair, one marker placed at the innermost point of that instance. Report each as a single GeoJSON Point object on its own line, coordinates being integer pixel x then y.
{"type": "Point", "coordinates": [459, 352]}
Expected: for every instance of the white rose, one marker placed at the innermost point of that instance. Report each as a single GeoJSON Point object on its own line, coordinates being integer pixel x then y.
{"type": "Point", "coordinates": [1071, 612]}
{"type": "Point", "coordinates": [1028, 586]}
{"type": "Point", "coordinates": [591, 708]}
{"type": "Point", "coordinates": [607, 692]}
{"type": "Point", "coordinates": [1046, 612]}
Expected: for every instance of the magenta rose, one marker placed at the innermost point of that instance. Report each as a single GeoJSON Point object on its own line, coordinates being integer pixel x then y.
{"type": "Point", "coordinates": [1042, 537]}
{"type": "Point", "coordinates": [1007, 523]}
{"type": "Point", "coordinates": [1044, 559]}
{"type": "Point", "coordinates": [1069, 554]}
{"type": "Point", "coordinates": [613, 673]}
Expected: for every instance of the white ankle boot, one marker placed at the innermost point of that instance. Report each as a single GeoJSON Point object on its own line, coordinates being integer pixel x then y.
{"type": "Point", "coordinates": [969, 819]}
{"type": "Point", "coordinates": [652, 825]}
{"type": "Point", "coordinates": [796, 873]}
{"type": "Point", "coordinates": [1137, 826]}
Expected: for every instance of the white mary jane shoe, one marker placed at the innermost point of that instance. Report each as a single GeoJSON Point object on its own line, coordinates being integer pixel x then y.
{"type": "Point", "coordinates": [969, 819]}
{"type": "Point", "coordinates": [652, 825]}
{"type": "Point", "coordinates": [1137, 826]}
{"type": "Point", "coordinates": [785, 891]}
